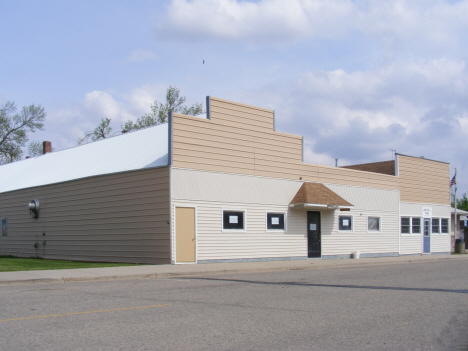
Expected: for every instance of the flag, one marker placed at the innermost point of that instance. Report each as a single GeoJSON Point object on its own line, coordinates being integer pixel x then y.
{"type": "Point", "coordinates": [454, 180]}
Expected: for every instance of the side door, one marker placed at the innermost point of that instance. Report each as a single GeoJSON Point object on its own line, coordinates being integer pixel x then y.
{"type": "Point", "coordinates": [314, 234]}
{"type": "Point", "coordinates": [185, 234]}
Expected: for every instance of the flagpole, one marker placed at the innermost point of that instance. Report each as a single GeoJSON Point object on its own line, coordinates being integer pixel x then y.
{"type": "Point", "coordinates": [456, 221]}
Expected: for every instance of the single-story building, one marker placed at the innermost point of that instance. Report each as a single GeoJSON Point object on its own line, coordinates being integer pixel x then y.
{"type": "Point", "coordinates": [223, 187]}
{"type": "Point", "coordinates": [462, 226]}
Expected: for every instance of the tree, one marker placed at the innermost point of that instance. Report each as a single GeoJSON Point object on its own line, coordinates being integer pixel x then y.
{"type": "Point", "coordinates": [14, 128]}
{"type": "Point", "coordinates": [157, 115]}
{"type": "Point", "coordinates": [159, 111]}
{"type": "Point", "coordinates": [35, 149]}
{"type": "Point", "coordinates": [462, 203]}
{"type": "Point", "coordinates": [102, 131]}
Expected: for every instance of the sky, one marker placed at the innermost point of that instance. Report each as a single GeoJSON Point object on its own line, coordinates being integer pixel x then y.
{"type": "Point", "coordinates": [356, 78]}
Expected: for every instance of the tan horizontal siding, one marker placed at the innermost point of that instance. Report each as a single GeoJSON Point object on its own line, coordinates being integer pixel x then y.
{"type": "Point", "coordinates": [115, 218]}
{"type": "Point", "coordinates": [240, 139]}
{"type": "Point", "coordinates": [423, 180]}
{"type": "Point", "coordinates": [257, 112]}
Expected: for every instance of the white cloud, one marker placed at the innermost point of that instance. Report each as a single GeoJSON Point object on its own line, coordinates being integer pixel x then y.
{"type": "Point", "coordinates": [142, 97]}
{"type": "Point", "coordinates": [270, 20]}
{"type": "Point", "coordinates": [417, 108]}
{"type": "Point", "coordinates": [103, 104]}
{"type": "Point", "coordinates": [65, 126]}
{"type": "Point", "coordinates": [428, 26]}
{"type": "Point", "coordinates": [142, 55]}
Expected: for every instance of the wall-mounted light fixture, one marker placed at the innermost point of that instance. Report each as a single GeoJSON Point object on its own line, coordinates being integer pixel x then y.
{"type": "Point", "coordinates": [33, 207]}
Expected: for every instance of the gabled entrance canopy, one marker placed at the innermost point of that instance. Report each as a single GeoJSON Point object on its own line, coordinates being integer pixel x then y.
{"type": "Point", "coordinates": [316, 195]}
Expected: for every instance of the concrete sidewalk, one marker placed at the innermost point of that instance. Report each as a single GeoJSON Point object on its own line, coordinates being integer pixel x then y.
{"type": "Point", "coordinates": [166, 271]}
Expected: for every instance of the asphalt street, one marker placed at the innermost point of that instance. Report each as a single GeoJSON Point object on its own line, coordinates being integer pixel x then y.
{"type": "Point", "coordinates": [408, 306]}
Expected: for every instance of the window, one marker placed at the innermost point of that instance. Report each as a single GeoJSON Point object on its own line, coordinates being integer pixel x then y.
{"type": "Point", "coordinates": [405, 225]}
{"type": "Point", "coordinates": [416, 225]}
{"type": "Point", "coordinates": [233, 220]}
{"type": "Point", "coordinates": [373, 224]}
{"type": "Point", "coordinates": [435, 225]}
{"type": "Point", "coordinates": [445, 226]}
{"type": "Point", "coordinates": [275, 221]}
{"type": "Point", "coordinates": [345, 223]}
{"type": "Point", "coordinates": [4, 227]}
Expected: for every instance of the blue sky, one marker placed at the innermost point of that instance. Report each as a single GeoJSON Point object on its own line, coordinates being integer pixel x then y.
{"type": "Point", "coordinates": [356, 78]}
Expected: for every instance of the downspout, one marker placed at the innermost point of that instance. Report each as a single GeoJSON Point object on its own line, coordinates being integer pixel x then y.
{"type": "Point", "coordinates": [170, 119]}
{"type": "Point", "coordinates": [274, 121]}
{"type": "Point", "coordinates": [208, 107]}
{"type": "Point", "coordinates": [397, 174]}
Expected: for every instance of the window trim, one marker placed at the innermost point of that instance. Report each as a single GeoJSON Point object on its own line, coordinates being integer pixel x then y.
{"type": "Point", "coordinates": [448, 226]}
{"type": "Point", "coordinates": [284, 220]}
{"type": "Point", "coordinates": [409, 225]}
{"type": "Point", "coordinates": [380, 224]}
{"type": "Point", "coordinates": [233, 229]}
{"type": "Point", "coordinates": [420, 226]}
{"type": "Point", "coordinates": [352, 224]}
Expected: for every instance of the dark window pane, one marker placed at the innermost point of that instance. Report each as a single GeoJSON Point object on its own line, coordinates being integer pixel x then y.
{"type": "Point", "coordinates": [445, 225]}
{"type": "Point", "coordinates": [345, 223]}
{"type": "Point", "coordinates": [435, 225]}
{"type": "Point", "coordinates": [233, 220]}
{"type": "Point", "coordinates": [416, 225]}
{"type": "Point", "coordinates": [275, 220]}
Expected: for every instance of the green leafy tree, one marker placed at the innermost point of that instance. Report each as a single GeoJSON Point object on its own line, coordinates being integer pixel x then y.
{"type": "Point", "coordinates": [159, 111]}
{"type": "Point", "coordinates": [102, 131]}
{"type": "Point", "coordinates": [462, 203]}
{"type": "Point", "coordinates": [15, 126]}
{"type": "Point", "coordinates": [35, 148]}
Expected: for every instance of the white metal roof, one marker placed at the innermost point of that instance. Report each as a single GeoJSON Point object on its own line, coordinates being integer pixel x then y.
{"type": "Point", "coordinates": [459, 212]}
{"type": "Point", "coordinates": [131, 151]}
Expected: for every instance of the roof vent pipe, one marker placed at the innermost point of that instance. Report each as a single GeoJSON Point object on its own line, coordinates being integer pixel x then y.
{"type": "Point", "coordinates": [46, 147]}
{"type": "Point", "coordinates": [336, 162]}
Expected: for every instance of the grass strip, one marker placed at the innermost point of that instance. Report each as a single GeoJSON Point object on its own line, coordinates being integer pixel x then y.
{"type": "Point", "coordinates": [15, 264]}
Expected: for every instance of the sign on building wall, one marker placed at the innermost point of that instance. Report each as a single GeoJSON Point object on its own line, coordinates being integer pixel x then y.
{"type": "Point", "coordinates": [427, 212]}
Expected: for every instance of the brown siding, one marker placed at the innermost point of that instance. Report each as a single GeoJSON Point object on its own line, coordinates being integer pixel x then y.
{"type": "Point", "coordinates": [385, 167]}
{"type": "Point", "coordinates": [423, 181]}
{"type": "Point", "coordinates": [240, 139]}
{"type": "Point", "coordinates": [113, 218]}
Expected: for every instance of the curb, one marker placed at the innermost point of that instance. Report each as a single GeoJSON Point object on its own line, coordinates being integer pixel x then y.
{"type": "Point", "coordinates": [162, 275]}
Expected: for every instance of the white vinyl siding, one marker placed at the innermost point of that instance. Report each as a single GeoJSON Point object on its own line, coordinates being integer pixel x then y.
{"type": "Point", "coordinates": [413, 244]}
{"type": "Point", "coordinates": [344, 242]}
{"type": "Point", "coordinates": [210, 192]}
{"type": "Point", "coordinates": [213, 243]}
{"type": "Point", "coordinates": [440, 243]}
{"type": "Point", "coordinates": [415, 210]}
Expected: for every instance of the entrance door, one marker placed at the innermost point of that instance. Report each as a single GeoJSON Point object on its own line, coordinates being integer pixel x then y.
{"type": "Point", "coordinates": [427, 236]}
{"type": "Point", "coordinates": [185, 234]}
{"type": "Point", "coordinates": [314, 237]}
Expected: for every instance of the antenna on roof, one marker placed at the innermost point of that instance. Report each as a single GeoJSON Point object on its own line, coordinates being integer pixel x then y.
{"type": "Point", "coordinates": [393, 153]}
